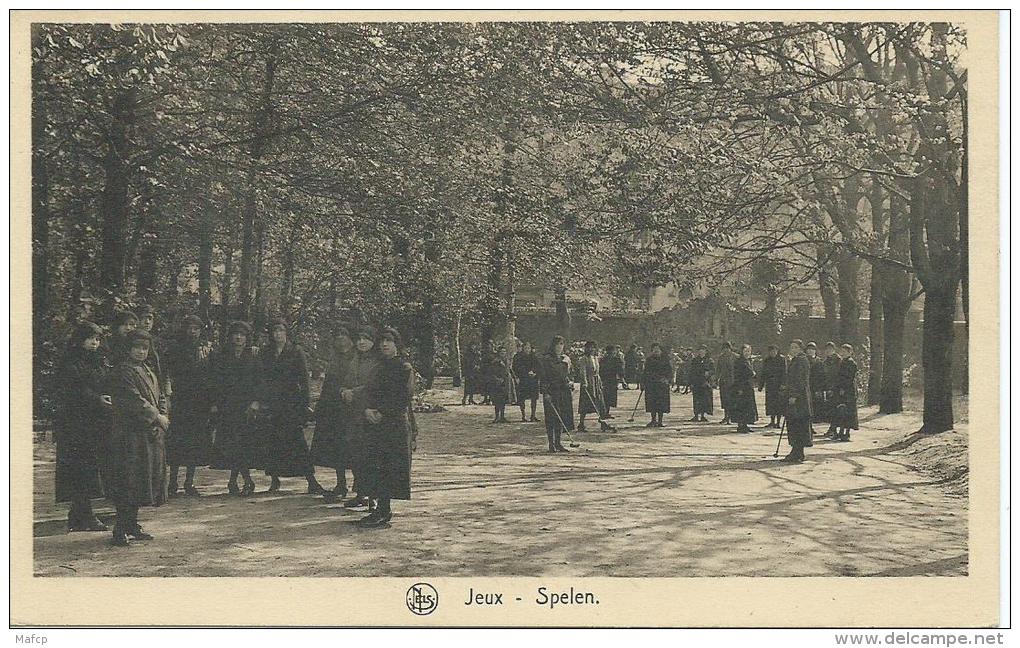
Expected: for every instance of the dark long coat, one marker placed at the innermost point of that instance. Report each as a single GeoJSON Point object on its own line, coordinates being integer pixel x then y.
{"type": "Point", "coordinates": [590, 400]}
{"type": "Point", "coordinates": [471, 370]}
{"type": "Point", "coordinates": [329, 445]}
{"type": "Point", "coordinates": [525, 366]}
{"type": "Point", "coordinates": [235, 385]}
{"type": "Point", "coordinates": [819, 390]}
{"type": "Point", "coordinates": [611, 370]}
{"type": "Point", "coordinates": [630, 368]}
{"type": "Point", "coordinates": [134, 451]}
{"type": "Point", "coordinates": [701, 371]}
{"type": "Point", "coordinates": [189, 440]}
{"type": "Point", "coordinates": [743, 408]}
{"type": "Point", "coordinates": [81, 421]}
{"type": "Point", "coordinates": [845, 395]}
{"type": "Point", "coordinates": [357, 374]}
{"type": "Point", "coordinates": [798, 413]}
{"type": "Point", "coordinates": [656, 379]}
{"type": "Point", "coordinates": [724, 373]}
{"type": "Point", "coordinates": [387, 471]}
{"type": "Point", "coordinates": [558, 407]}
{"type": "Point", "coordinates": [286, 394]}
{"type": "Point", "coordinates": [773, 373]}
{"type": "Point", "coordinates": [494, 376]}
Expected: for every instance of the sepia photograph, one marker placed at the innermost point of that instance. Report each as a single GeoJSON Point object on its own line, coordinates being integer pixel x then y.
{"type": "Point", "coordinates": [439, 299]}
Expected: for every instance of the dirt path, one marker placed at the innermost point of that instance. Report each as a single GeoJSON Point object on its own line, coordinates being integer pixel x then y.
{"type": "Point", "coordinates": [687, 500]}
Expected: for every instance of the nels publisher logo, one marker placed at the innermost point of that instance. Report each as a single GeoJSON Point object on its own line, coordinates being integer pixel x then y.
{"type": "Point", "coordinates": [422, 599]}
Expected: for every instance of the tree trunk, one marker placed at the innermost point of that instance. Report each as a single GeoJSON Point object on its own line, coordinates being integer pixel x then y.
{"type": "Point", "coordinates": [494, 288]}
{"type": "Point", "coordinates": [876, 339]}
{"type": "Point", "coordinates": [890, 400]}
{"type": "Point", "coordinates": [246, 283]}
{"type": "Point", "coordinates": [114, 204]}
{"type": "Point", "coordinates": [937, 356]}
{"type": "Point", "coordinates": [827, 289]}
{"type": "Point", "coordinates": [848, 271]}
{"type": "Point", "coordinates": [40, 219]}
{"type": "Point", "coordinates": [562, 312]}
{"type": "Point", "coordinates": [205, 252]}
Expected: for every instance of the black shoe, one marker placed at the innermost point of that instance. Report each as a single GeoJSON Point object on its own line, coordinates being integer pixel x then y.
{"type": "Point", "coordinates": [535, 420]}
{"type": "Point", "coordinates": [191, 491]}
{"type": "Point", "coordinates": [357, 503]}
{"type": "Point", "coordinates": [368, 520]}
{"type": "Point", "coordinates": [560, 448]}
{"type": "Point", "coordinates": [650, 424]}
{"type": "Point", "coordinates": [93, 524]}
{"type": "Point", "coordinates": [138, 534]}
{"type": "Point", "coordinates": [336, 495]}
{"type": "Point", "coordinates": [274, 485]}
{"type": "Point", "coordinates": [380, 519]}
{"type": "Point", "coordinates": [790, 458]}
{"type": "Point", "coordinates": [693, 419]}
{"type": "Point", "coordinates": [249, 489]}
{"type": "Point", "coordinates": [120, 539]}
{"type": "Point", "coordinates": [171, 489]}
{"type": "Point", "coordinates": [232, 488]}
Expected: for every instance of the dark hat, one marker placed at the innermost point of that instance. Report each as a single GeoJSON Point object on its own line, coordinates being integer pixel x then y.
{"type": "Point", "coordinates": [342, 328]}
{"type": "Point", "coordinates": [83, 331]}
{"type": "Point", "coordinates": [590, 344]}
{"type": "Point", "coordinates": [773, 347]}
{"type": "Point", "coordinates": [392, 334]}
{"type": "Point", "coordinates": [192, 320]}
{"type": "Point", "coordinates": [366, 331]}
{"type": "Point", "coordinates": [810, 345]}
{"type": "Point", "coordinates": [727, 345]}
{"type": "Point", "coordinates": [238, 325]}
{"type": "Point", "coordinates": [144, 310]}
{"type": "Point", "coordinates": [122, 317]}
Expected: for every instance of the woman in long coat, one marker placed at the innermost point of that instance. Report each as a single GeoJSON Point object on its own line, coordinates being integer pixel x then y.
{"type": "Point", "coordinates": [557, 401]}
{"type": "Point", "coordinates": [329, 445]}
{"type": "Point", "coordinates": [471, 370]}
{"type": "Point", "coordinates": [82, 419]}
{"type": "Point", "coordinates": [134, 464]}
{"type": "Point", "coordinates": [773, 373]}
{"type": "Point", "coordinates": [743, 408]}
{"type": "Point", "coordinates": [630, 360]}
{"type": "Point", "coordinates": [235, 392]}
{"type": "Point", "coordinates": [589, 374]}
{"type": "Point", "coordinates": [286, 396]}
{"type": "Point", "coordinates": [389, 433]}
{"type": "Point", "coordinates": [525, 368]}
{"type": "Point", "coordinates": [845, 394]}
{"type": "Point", "coordinates": [797, 391]}
{"type": "Point", "coordinates": [495, 376]}
{"type": "Point", "coordinates": [701, 372]}
{"type": "Point", "coordinates": [656, 380]}
{"type": "Point", "coordinates": [189, 441]}
{"type": "Point", "coordinates": [611, 371]}
{"type": "Point", "coordinates": [356, 377]}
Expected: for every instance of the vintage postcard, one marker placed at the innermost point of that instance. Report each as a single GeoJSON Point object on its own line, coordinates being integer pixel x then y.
{"type": "Point", "coordinates": [654, 319]}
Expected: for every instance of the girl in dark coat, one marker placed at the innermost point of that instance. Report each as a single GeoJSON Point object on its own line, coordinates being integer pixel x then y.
{"type": "Point", "coordinates": [286, 396]}
{"type": "Point", "coordinates": [495, 377]}
{"type": "Point", "coordinates": [611, 371]}
{"type": "Point", "coordinates": [82, 419]}
{"type": "Point", "coordinates": [116, 348]}
{"type": "Point", "coordinates": [701, 371]}
{"type": "Point", "coordinates": [235, 391]}
{"type": "Point", "coordinates": [329, 445]}
{"type": "Point", "coordinates": [630, 366]}
{"type": "Point", "coordinates": [134, 464]}
{"type": "Point", "coordinates": [743, 408]}
{"type": "Point", "coordinates": [389, 433]}
{"type": "Point", "coordinates": [845, 395]}
{"type": "Point", "coordinates": [589, 377]}
{"type": "Point", "coordinates": [525, 368]}
{"type": "Point", "coordinates": [557, 401]}
{"type": "Point", "coordinates": [189, 441]}
{"type": "Point", "coordinates": [656, 379]}
{"type": "Point", "coordinates": [471, 371]}
{"type": "Point", "coordinates": [357, 375]}
{"type": "Point", "coordinates": [773, 373]}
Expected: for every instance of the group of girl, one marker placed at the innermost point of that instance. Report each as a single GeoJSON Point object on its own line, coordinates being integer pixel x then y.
{"type": "Point", "coordinates": [133, 410]}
